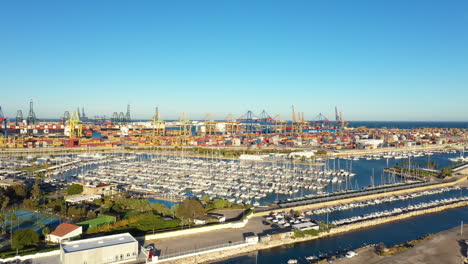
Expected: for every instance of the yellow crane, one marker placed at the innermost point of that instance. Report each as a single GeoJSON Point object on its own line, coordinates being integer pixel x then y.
{"type": "Point", "coordinates": [185, 129]}
{"type": "Point", "coordinates": [76, 125]}
{"type": "Point", "coordinates": [2, 141]}
{"type": "Point", "coordinates": [210, 125]}
{"type": "Point", "coordinates": [232, 125]}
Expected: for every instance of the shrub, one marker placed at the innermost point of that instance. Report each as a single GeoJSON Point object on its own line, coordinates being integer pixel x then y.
{"type": "Point", "coordinates": [74, 189]}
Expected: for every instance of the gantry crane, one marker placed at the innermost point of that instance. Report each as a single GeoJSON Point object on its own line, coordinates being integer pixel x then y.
{"type": "Point", "coordinates": [232, 125]}
{"type": "Point", "coordinates": [210, 125]}
{"type": "Point", "coordinates": [76, 125]}
{"type": "Point", "coordinates": [185, 129]}
{"type": "Point", "coordinates": [159, 128]}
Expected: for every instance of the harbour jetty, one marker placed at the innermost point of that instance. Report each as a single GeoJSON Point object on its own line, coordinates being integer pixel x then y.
{"type": "Point", "coordinates": [379, 195]}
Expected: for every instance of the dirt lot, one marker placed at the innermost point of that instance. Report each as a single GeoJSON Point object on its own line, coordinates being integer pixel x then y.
{"type": "Point", "coordinates": [443, 247]}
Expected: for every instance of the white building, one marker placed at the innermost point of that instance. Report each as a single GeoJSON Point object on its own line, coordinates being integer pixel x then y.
{"type": "Point", "coordinates": [64, 232]}
{"type": "Point", "coordinates": [305, 226]}
{"type": "Point", "coordinates": [252, 157]}
{"type": "Point", "coordinates": [199, 221]}
{"type": "Point", "coordinates": [236, 142]}
{"type": "Point", "coordinates": [121, 248]}
{"type": "Point", "coordinates": [372, 143]}
{"type": "Point", "coordinates": [251, 239]}
{"type": "Point", "coordinates": [307, 154]}
{"type": "Point", "coordinates": [83, 198]}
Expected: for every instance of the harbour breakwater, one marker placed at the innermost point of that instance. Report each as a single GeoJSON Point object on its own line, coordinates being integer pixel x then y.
{"type": "Point", "coordinates": [223, 253]}
{"type": "Point", "coordinates": [361, 152]}
{"type": "Point", "coordinates": [366, 197]}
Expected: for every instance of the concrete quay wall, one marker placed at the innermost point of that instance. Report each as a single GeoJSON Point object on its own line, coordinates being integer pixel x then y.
{"type": "Point", "coordinates": [360, 152]}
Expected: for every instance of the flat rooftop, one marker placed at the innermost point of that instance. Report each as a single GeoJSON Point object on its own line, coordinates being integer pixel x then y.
{"type": "Point", "coordinates": [303, 225]}
{"type": "Point", "coordinates": [97, 242]}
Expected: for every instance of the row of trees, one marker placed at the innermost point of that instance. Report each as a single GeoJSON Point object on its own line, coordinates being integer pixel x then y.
{"type": "Point", "coordinates": [143, 215]}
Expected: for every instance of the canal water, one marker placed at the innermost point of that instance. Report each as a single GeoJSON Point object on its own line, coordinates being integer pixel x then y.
{"type": "Point", "coordinates": [390, 234]}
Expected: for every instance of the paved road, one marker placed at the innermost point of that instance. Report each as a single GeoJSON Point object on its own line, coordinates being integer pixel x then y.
{"type": "Point", "coordinates": [185, 243]}
{"type": "Point", "coordinates": [47, 260]}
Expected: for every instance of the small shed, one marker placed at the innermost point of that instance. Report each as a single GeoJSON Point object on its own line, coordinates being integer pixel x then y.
{"type": "Point", "coordinates": [64, 232]}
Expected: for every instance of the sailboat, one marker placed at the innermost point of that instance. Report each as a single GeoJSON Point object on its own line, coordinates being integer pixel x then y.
{"type": "Point", "coordinates": [462, 157]}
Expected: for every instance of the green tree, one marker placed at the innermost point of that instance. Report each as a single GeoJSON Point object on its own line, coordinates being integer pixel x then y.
{"type": "Point", "coordinates": [219, 204]}
{"type": "Point", "coordinates": [29, 203]}
{"type": "Point", "coordinates": [5, 202]}
{"type": "Point", "coordinates": [174, 209]}
{"type": "Point", "coordinates": [108, 203]}
{"type": "Point", "coordinates": [40, 177]}
{"type": "Point", "coordinates": [91, 215]}
{"type": "Point", "coordinates": [45, 231]}
{"type": "Point", "coordinates": [321, 152]}
{"type": "Point", "coordinates": [36, 191]}
{"type": "Point", "coordinates": [189, 210]}
{"type": "Point", "coordinates": [160, 209]}
{"type": "Point", "coordinates": [24, 237]}
{"type": "Point", "coordinates": [74, 189]}
{"type": "Point", "coordinates": [446, 172]}
{"type": "Point", "coordinates": [57, 208]}
{"type": "Point", "coordinates": [2, 222]}
{"type": "Point", "coordinates": [19, 190]}
{"type": "Point", "coordinates": [76, 212]}
{"type": "Point", "coordinates": [205, 198]}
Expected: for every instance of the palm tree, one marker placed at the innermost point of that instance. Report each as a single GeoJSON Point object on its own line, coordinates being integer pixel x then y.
{"type": "Point", "coordinates": [2, 221]}
{"type": "Point", "coordinates": [5, 202]}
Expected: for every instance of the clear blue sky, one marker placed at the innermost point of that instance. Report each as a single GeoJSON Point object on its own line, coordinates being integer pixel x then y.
{"type": "Point", "coordinates": [375, 60]}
